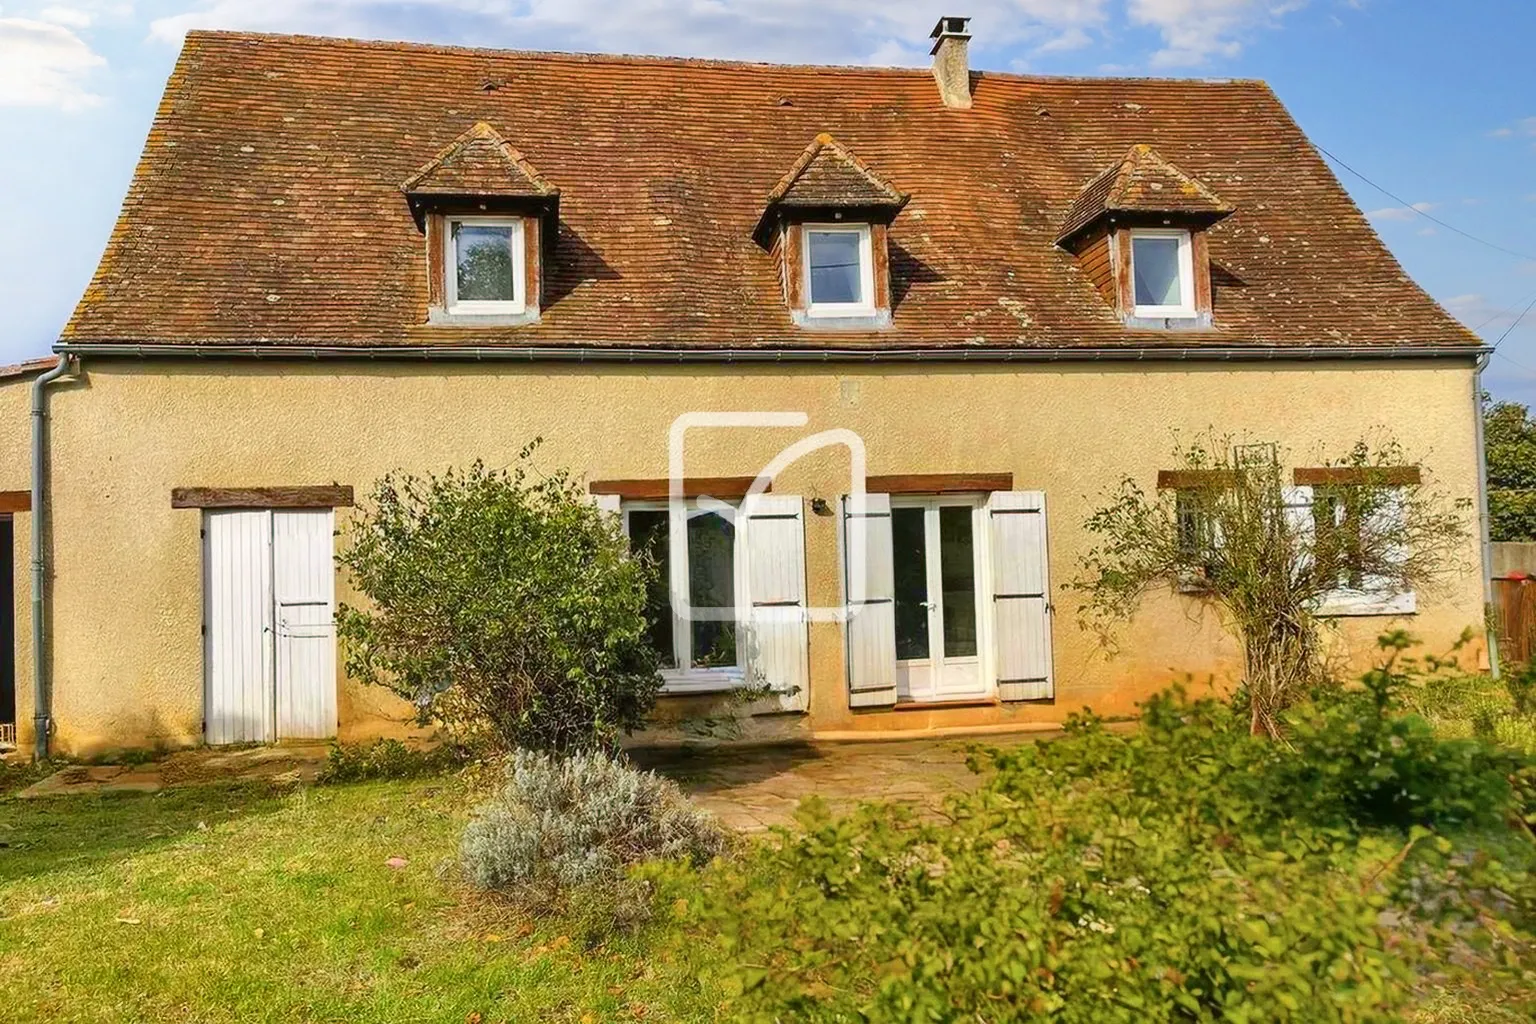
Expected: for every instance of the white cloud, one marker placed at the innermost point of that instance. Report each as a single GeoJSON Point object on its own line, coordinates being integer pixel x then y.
{"type": "Point", "coordinates": [1195, 31]}
{"type": "Point", "coordinates": [839, 31]}
{"type": "Point", "coordinates": [1525, 127]}
{"type": "Point", "coordinates": [1400, 212]}
{"type": "Point", "coordinates": [1074, 38]}
{"type": "Point", "coordinates": [45, 65]}
{"type": "Point", "coordinates": [1488, 318]}
{"type": "Point", "coordinates": [70, 17]}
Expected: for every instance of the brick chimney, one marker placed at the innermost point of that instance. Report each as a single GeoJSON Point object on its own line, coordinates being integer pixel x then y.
{"type": "Point", "coordinates": [951, 65]}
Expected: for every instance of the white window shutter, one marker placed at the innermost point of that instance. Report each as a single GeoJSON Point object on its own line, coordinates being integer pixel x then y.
{"type": "Point", "coordinates": [777, 650]}
{"type": "Point", "coordinates": [870, 588]}
{"type": "Point", "coordinates": [1021, 595]}
{"type": "Point", "coordinates": [606, 502]}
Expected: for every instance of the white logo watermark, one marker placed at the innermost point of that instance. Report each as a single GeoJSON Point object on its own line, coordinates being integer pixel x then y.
{"type": "Point", "coordinates": [855, 508]}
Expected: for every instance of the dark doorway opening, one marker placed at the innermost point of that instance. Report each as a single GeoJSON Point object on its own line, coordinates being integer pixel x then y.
{"type": "Point", "coordinates": [7, 632]}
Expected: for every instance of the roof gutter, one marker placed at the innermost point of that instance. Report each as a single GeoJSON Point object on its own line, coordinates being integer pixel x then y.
{"type": "Point", "coordinates": [656, 354]}
{"type": "Point", "coordinates": [42, 696]}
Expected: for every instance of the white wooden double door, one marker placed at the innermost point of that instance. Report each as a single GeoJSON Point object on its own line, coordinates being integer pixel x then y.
{"type": "Point", "coordinates": [269, 625]}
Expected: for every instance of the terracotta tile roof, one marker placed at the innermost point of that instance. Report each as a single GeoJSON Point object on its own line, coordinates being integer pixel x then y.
{"type": "Point", "coordinates": [1142, 182]}
{"type": "Point", "coordinates": [267, 208]}
{"type": "Point", "coordinates": [828, 175]}
{"type": "Point", "coordinates": [478, 163]}
{"type": "Point", "coordinates": [29, 368]}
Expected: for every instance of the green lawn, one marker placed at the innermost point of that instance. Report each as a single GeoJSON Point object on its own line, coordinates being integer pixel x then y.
{"type": "Point", "coordinates": [221, 903]}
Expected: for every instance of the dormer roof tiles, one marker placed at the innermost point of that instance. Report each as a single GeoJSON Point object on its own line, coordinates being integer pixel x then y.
{"type": "Point", "coordinates": [1142, 182]}
{"type": "Point", "coordinates": [266, 208]}
{"type": "Point", "coordinates": [827, 175]}
{"type": "Point", "coordinates": [478, 163]}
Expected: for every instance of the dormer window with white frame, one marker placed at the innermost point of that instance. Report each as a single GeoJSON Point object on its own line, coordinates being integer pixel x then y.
{"type": "Point", "coordinates": [485, 266]}
{"type": "Point", "coordinates": [839, 270]}
{"type": "Point", "coordinates": [1163, 273]}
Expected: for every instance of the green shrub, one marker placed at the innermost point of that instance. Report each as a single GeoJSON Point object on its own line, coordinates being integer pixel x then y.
{"type": "Point", "coordinates": [389, 759]}
{"type": "Point", "coordinates": [1186, 871]}
{"type": "Point", "coordinates": [503, 605]}
{"type": "Point", "coordinates": [559, 827]}
{"type": "Point", "coordinates": [1357, 755]}
{"type": "Point", "coordinates": [1096, 895]}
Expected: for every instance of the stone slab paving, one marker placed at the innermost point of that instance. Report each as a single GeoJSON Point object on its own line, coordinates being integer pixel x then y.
{"type": "Point", "coordinates": [755, 789]}
{"type": "Point", "coordinates": [270, 764]}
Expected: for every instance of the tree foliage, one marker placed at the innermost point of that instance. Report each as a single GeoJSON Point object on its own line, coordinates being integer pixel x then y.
{"type": "Point", "coordinates": [505, 608]}
{"type": "Point", "coordinates": [1509, 441]}
{"type": "Point", "coordinates": [1237, 536]}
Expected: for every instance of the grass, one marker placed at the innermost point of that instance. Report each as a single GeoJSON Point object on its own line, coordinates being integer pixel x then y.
{"type": "Point", "coordinates": [226, 902]}
{"type": "Point", "coordinates": [1465, 705]}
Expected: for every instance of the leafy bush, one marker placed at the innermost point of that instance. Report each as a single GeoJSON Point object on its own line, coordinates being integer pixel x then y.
{"type": "Point", "coordinates": [389, 759]}
{"type": "Point", "coordinates": [1354, 754]}
{"type": "Point", "coordinates": [1187, 871]}
{"type": "Point", "coordinates": [507, 609]}
{"type": "Point", "coordinates": [561, 826]}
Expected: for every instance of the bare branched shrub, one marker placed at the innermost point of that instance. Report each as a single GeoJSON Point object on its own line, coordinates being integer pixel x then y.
{"type": "Point", "coordinates": [1269, 556]}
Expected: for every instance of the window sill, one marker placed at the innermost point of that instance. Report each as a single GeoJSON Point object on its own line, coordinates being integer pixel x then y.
{"type": "Point", "coordinates": [1349, 604]}
{"type": "Point", "coordinates": [700, 681]}
{"type": "Point", "coordinates": [457, 316]}
{"type": "Point", "coordinates": [946, 705]}
{"type": "Point", "coordinates": [853, 320]}
{"type": "Point", "coordinates": [1182, 322]}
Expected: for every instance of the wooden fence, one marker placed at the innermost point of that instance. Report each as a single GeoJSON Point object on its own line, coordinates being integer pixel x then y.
{"type": "Point", "coordinates": [1514, 600]}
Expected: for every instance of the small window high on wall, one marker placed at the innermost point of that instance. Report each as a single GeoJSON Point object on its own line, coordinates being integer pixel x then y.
{"type": "Point", "coordinates": [839, 270]}
{"type": "Point", "coordinates": [1162, 272]}
{"type": "Point", "coordinates": [485, 265]}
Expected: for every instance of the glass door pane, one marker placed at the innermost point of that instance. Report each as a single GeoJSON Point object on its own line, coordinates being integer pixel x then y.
{"type": "Point", "coordinates": [712, 589]}
{"type": "Point", "coordinates": [957, 574]}
{"type": "Point", "coordinates": [909, 551]}
{"type": "Point", "coordinates": [648, 533]}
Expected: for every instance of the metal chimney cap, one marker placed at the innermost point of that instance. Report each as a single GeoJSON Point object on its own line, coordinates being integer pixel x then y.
{"type": "Point", "coordinates": [951, 25]}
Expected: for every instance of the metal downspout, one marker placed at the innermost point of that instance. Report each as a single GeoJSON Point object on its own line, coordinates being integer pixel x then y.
{"type": "Point", "coordinates": [42, 718]}
{"type": "Point", "coordinates": [1485, 534]}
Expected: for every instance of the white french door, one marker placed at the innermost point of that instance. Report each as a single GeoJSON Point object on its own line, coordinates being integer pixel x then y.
{"type": "Point", "coordinates": [269, 622]}
{"type": "Point", "coordinates": [938, 567]}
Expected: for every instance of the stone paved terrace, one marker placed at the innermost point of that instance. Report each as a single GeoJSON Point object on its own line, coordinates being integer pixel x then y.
{"type": "Point", "coordinates": [752, 789]}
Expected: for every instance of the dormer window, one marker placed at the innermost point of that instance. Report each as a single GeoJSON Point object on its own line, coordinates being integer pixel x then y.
{"type": "Point", "coordinates": [485, 266]}
{"type": "Point", "coordinates": [839, 269]}
{"type": "Point", "coordinates": [1140, 230]}
{"type": "Point", "coordinates": [490, 221]}
{"type": "Point", "coordinates": [826, 224]}
{"type": "Point", "coordinates": [1162, 273]}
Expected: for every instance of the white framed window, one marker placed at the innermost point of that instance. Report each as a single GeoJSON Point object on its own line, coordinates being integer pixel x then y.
{"type": "Point", "coordinates": [1162, 273]}
{"type": "Point", "coordinates": [1341, 525]}
{"type": "Point", "coordinates": [839, 269]}
{"type": "Point", "coordinates": [484, 266]}
{"type": "Point", "coordinates": [696, 606]}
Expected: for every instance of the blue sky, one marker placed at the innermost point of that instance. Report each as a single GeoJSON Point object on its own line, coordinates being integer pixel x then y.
{"type": "Point", "coordinates": [1434, 102]}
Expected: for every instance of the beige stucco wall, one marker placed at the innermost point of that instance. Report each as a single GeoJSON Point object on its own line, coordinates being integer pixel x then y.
{"type": "Point", "coordinates": [127, 652]}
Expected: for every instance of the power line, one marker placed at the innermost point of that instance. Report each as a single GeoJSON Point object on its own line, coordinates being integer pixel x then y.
{"type": "Point", "coordinates": [1505, 311]}
{"type": "Point", "coordinates": [1514, 323]}
{"type": "Point", "coordinates": [1429, 217]}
